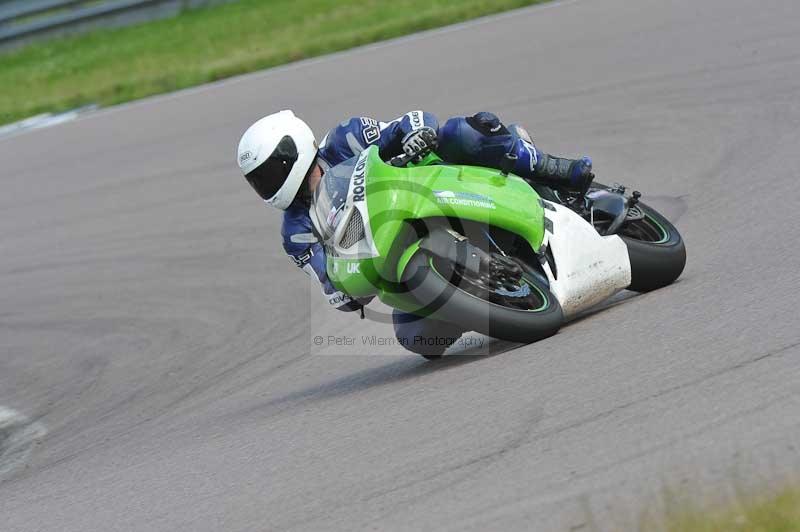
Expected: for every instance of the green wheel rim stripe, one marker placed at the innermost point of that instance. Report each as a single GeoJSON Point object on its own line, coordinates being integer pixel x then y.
{"type": "Point", "coordinates": [663, 231]}
{"type": "Point", "coordinates": [543, 296]}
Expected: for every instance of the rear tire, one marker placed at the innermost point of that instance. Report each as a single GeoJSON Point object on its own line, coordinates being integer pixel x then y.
{"type": "Point", "coordinates": [656, 250]}
{"type": "Point", "coordinates": [444, 296]}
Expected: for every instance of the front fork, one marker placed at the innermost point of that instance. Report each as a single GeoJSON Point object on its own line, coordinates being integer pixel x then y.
{"type": "Point", "coordinates": [492, 270]}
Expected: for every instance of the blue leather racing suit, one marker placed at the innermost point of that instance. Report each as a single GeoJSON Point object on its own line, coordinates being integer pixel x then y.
{"type": "Point", "coordinates": [480, 140]}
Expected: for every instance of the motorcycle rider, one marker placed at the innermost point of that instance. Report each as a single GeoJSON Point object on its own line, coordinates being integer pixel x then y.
{"type": "Point", "coordinates": [280, 159]}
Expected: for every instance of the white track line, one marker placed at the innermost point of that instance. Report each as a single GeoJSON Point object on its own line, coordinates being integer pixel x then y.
{"type": "Point", "coordinates": [43, 120]}
{"type": "Point", "coordinates": [18, 435]}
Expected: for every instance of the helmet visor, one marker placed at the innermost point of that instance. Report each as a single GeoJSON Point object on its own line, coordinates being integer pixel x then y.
{"type": "Point", "coordinates": [268, 178]}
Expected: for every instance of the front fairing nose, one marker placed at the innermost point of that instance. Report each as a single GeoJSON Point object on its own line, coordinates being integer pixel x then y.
{"type": "Point", "coordinates": [330, 198]}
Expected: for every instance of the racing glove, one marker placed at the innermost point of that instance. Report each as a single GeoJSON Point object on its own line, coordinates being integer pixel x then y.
{"type": "Point", "coordinates": [419, 142]}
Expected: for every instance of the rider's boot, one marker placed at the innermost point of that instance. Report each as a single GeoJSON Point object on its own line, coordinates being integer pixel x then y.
{"type": "Point", "coordinates": [574, 175]}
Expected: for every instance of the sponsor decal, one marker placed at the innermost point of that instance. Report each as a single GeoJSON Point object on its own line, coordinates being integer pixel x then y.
{"type": "Point", "coordinates": [338, 298]}
{"type": "Point", "coordinates": [334, 217]}
{"type": "Point", "coordinates": [357, 184]}
{"type": "Point", "coordinates": [303, 258]}
{"type": "Point", "coordinates": [448, 197]}
{"type": "Point", "coordinates": [370, 130]}
{"type": "Point", "coordinates": [243, 158]}
{"type": "Point", "coordinates": [416, 119]}
{"type": "Point", "coordinates": [534, 158]}
{"type": "Point", "coordinates": [372, 134]}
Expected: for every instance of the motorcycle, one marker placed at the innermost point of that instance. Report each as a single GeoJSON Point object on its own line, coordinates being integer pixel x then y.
{"type": "Point", "coordinates": [484, 248]}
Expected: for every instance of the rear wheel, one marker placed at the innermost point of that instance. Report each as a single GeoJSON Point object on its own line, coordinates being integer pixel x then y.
{"type": "Point", "coordinates": [656, 249]}
{"type": "Point", "coordinates": [519, 311]}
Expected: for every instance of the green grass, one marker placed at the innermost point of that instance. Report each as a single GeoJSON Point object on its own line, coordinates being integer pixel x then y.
{"type": "Point", "coordinates": [114, 66]}
{"type": "Point", "coordinates": [777, 513]}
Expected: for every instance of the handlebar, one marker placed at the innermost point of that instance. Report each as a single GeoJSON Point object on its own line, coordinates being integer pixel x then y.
{"type": "Point", "coordinates": [401, 160]}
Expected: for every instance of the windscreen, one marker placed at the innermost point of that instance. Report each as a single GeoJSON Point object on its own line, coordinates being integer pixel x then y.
{"type": "Point", "coordinates": [330, 197]}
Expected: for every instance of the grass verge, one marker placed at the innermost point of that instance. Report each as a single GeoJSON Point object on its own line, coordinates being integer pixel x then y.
{"type": "Point", "coordinates": [776, 513]}
{"type": "Point", "coordinates": [118, 65]}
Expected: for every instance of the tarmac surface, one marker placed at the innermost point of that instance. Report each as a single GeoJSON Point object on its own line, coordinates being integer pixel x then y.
{"type": "Point", "coordinates": [158, 369]}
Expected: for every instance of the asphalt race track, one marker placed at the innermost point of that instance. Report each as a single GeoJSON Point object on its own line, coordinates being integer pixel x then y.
{"type": "Point", "coordinates": [157, 361]}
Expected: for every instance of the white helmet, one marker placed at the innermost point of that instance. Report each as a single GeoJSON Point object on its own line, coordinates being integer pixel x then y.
{"type": "Point", "coordinates": [275, 155]}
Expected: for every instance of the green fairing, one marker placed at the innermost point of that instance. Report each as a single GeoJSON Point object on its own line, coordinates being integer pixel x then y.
{"type": "Point", "coordinates": [429, 190]}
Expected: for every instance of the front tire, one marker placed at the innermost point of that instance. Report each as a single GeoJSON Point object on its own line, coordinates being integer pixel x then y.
{"type": "Point", "coordinates": [526, 315]}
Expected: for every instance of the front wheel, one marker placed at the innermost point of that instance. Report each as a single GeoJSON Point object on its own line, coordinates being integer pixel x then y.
{"type": "Point", "coordinates": [656, 249]}
{"type": "Point", "coordinates": [525, 312]}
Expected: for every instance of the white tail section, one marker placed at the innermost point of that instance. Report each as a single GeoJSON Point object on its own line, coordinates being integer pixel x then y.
{"type": "Point", "coordinates": [589, 267]}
